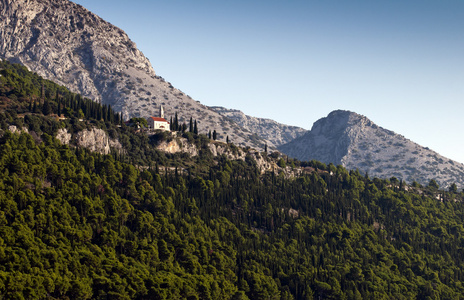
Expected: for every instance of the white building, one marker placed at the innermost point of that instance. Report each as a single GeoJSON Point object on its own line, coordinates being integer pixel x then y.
{"type": "Point", "coordinates": [158, 123]}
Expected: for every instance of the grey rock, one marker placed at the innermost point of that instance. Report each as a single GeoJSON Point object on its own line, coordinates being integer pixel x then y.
{"type": "Point", "coordinates": [64, 42]}
{"type": "Point", "coordinates": [63, 136]}
{"type": "Point", "coordinates": [355, 142]}
{"type": "Point", "coordinates": [276, 133]}
{"type": "Point", "coordinates": [14, 129]}
{"type": "Point", "coordinates": [96, 140]}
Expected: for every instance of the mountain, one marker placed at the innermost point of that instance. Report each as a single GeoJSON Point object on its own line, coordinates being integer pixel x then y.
{"type": "Point", "coordinates": [64, 42]}
{"type": "Point", "coordinates": [276, 133]}
{"type": "Point", "coordinates": [354, 141]}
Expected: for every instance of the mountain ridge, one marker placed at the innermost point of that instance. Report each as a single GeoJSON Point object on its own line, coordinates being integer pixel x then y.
{"type": "Point", "coordinates": [355, 142]}
{"type": "Point", "coordinates": [64, 42]}
{"type": "Point", "coordinates": [273, 131]}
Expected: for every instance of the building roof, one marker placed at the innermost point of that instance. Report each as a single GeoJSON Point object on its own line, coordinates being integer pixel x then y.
{"type": "Point", "coordinates": [158, 119]}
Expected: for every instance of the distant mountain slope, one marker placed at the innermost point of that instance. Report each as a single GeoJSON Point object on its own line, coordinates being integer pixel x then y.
{"type": "Point", "coordinates": [276, 133]}
{"type": "Point", "coordinates": [354, 141]}
{"type": "Point", "coordinates": [64, 42]}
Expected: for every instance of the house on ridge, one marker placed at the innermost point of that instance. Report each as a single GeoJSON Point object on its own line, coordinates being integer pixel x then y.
{"type": "Point", "coordinates": [159, 122]}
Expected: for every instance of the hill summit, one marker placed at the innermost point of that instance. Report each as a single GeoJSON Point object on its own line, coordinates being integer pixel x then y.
{"type": "Point", "coordinates": [354, 141]}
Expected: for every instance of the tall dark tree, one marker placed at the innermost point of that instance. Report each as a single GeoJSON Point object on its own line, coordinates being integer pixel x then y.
{"type": "Point", "coordinates": [46, 109]}
{"type": "Point", "coordinates": [35, 108]}
{"type": "Point", "coordinates": [176, 123]}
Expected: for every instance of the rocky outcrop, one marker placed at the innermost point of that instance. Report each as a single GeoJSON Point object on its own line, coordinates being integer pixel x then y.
{"type": "Point", "coordinates": [355, 142]}
{"type": "Point", "coordinates": [63, 136]}
{"type": "Point", "coordinates": [64, 42]}
{"type": "Point", "coordinates": [15, 129]}
{"type": "Point", "coordinates": [96, 140]}
{"type": "Point", "coordinates": [231, 152]}
{"type": "Point", "coordinates": [276, 133]}
{"type": "Point", "coordinates": [178, 145]}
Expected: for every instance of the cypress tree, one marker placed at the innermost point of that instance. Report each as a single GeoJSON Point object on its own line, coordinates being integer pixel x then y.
{"type": "Point", "coordinates": [176, 122]}
{"type": "Point", "coordinates": [58, 104]}
{"type": "Point", "coordinates": [191, 125]}
{"type": "Point", "coordinates": [46, 109]}
{"type": "Point", "coordinates": [195, 128]}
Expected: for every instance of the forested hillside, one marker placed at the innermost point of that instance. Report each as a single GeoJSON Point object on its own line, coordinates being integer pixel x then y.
{"type": "Point", "coordinates": [81, 225]}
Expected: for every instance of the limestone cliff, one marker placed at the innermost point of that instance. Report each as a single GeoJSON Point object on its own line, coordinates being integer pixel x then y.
{"type": "Point", "coordinates": [96, 140]}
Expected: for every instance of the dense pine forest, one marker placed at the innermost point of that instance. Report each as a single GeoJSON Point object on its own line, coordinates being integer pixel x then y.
{"type": "Point", "coordinates": [143, 224]}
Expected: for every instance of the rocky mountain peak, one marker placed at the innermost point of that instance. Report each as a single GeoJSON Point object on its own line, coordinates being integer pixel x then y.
{"type": "Point", "coordinates": [352, 140]}
{"type": "Point", "coordinates": [64, 42]}
{"type": "Point", "coordinates": [340, 120]}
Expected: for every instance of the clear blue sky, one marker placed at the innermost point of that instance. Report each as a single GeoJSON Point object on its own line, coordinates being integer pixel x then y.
{"type": "Point", "coordinates": [399, 63]}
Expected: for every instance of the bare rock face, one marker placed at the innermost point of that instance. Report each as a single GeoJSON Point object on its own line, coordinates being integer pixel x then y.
{"type": "Point", "coordinates": [276, 133]}
{"type": "Point", "coordinates": [63, 136]}
{"type": "Point", "coordinates": [349, 139]}
{"type": "Point", "coordinates": [178, 145]}
{"type": "Point", "coordinates": [96, 140]}
{"type": "Point", "coordinates": [17, 130]}
{"type": "Point", "coordinates": [64, 42]}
